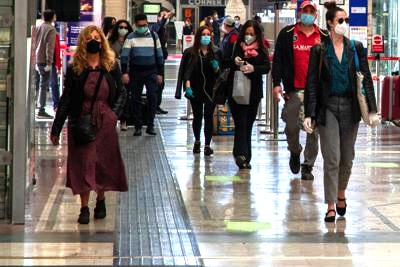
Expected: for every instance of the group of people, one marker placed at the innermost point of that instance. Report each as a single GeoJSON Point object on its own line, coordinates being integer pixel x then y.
{"type": "Point", "coordinates": [316, 67]}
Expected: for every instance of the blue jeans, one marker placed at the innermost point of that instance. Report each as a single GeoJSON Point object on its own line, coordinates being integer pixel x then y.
{"type": "Point", "coordinates": [44, 80]}
{"type": "Point", "coordinates": [55, 89]}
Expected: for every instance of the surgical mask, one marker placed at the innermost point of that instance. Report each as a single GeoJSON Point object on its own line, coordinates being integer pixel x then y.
{"type": "Point", "coordinates": [211, 21]}
{"type": "Point", "coordinates": [122, 32]}
{"type": "Point", "coordinates": [307, 19]}
{"type": "Point", "coordinates": [237, 23]}
{"type": "Point", "coordinates": [342, 29]}
{"type": "Point", "coordinates": [142, 30]}
{"type": "Point", "coordinates": [249, 39]}
{"type": "Point", "coordinates": [205, 40]}
{"type": "Point", "coordinates": [93, 46]}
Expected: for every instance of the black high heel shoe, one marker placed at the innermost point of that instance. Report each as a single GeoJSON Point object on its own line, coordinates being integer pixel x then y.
{"type": "Point", "coordinates": [339, 210]}
{"type": "Point", "coordinates": [330, 218]}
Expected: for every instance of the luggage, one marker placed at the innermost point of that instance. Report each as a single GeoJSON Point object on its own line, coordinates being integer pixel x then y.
{"type": "Point", "coordinates": [223, 121]}
{"type": "Point", "coordinates": [390, 102]}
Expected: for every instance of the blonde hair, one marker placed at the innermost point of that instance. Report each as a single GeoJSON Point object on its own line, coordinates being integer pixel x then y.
{"type": "Point", "coordinates": [107, 56]}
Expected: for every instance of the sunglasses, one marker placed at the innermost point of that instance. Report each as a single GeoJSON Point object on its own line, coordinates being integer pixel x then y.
{"type": "Point", "coordinates": [122, 27]}
{"type": "Point", "coordinates": [345, 20]}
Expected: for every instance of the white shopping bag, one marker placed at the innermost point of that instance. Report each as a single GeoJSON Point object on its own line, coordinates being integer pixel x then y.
{"type": "Point", "coordinates": [241, 88]}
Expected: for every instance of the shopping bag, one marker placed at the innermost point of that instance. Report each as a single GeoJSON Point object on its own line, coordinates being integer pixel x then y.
{"type": "Point", "coordinates": [241, 88]}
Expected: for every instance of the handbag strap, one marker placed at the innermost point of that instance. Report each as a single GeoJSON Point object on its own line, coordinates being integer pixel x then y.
{"type": "Point", "coordinates": [96, 90]}
{"type": "Point", "coordinates": [356, 60]}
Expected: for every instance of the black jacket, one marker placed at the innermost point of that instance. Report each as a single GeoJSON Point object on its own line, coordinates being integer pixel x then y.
{"type": "Point", "coordinates": [317, 90]}
{"type": "Point", "coordinates": [283, 61]}
{"type": "Point", "coordinates": [261, 65]}
{"type": "Point", "coordinates": [71, 100]}
{"type": "Point", "coordinates": [190, 70]}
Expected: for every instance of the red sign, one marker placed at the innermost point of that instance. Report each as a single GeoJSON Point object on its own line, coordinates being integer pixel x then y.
{"type": "Point", "coordinates": [378, 45]}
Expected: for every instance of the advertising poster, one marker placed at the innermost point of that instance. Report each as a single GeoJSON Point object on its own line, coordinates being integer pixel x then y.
{"type": "Point", "coordinates": [87, 10]}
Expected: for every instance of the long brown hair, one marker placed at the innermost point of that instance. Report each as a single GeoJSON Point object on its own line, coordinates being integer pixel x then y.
{"type": "Point", "coordinates": [197, 44]}
{"type": "Point", "coordinates": [107, 56]}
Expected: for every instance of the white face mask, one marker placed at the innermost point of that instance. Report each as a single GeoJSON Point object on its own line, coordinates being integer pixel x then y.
{"type": "Point", "coordinates": [342, 29]}
{"type": "Point", "coordinates": [248, 39]}
{"type": "Point", "coordinates": [122, 32]}
{"type": "Point", "coordinates": [211, 21]}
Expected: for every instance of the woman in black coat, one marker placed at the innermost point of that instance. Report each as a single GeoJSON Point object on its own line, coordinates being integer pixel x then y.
{"type": "Point", "coordinates": [251, 57]}
{"type": "Point", "coordinates": [331, 102]}
{"type": "Point", "coordinates": [197, 74]}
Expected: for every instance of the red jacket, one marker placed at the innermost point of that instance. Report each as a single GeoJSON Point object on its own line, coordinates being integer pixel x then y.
{"type": "Point", "coordinates": [57, 53]}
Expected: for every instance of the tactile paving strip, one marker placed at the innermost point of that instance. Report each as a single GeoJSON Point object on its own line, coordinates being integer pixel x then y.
{"type": "Point", "coordinates": [153, 227]}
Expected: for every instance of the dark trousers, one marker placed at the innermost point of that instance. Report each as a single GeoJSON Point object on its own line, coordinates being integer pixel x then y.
{"type": "Point", "coordinates": [138, 81]}
{"type": "Point", "coordinates": [203, 110]}
{"type": "Point", "coordinates": [160, 90]}
{"type": "Point", "coordinates": [244, 117]}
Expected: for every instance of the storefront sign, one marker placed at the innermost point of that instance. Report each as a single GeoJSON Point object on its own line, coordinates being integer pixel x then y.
{"type": "Point", "coordinates": [203, 2]}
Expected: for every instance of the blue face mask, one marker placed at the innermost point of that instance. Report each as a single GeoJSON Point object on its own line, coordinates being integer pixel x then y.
{"type": "Point", "coordinates": [205, 40]}
{"type": "Point", "coordinates": [307, 19]}
{"type": "Point", "coordinates": [142, 30]}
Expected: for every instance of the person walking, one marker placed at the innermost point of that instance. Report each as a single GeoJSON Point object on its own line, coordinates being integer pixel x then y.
{"type": "Point", "coordinates": [44, 46]}
{"type": "Point", "coordinates": [92, 86]}
{"type": "Point", "coordinates": [159, 28]}
{"type": "Point", "coordinates": [197, 74]}
{"type": "Point", "coordinates": [116, 40]}
{"type": "Point", "coordinates": [142, 64]}
{"type": "Point", "coordinates": [250, 57]}
{"type": "Point", "coordinates": [331, 102]}
{"type": "Point", "coordinates": [290, 64]}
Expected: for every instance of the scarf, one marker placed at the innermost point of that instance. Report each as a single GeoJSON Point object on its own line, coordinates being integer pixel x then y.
{"type": "Point", "coordinates": [250, 50]}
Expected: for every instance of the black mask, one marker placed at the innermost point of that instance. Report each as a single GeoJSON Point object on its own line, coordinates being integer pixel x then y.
{"type": "Point", "coordinates": [93, 46]}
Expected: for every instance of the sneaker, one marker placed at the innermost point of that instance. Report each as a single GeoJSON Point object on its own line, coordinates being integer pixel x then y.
{"type": "Point", "coordinates": [100, 209]}
{"type": "Point", "coordinates": [196, 147]}
{"type": "Point", "coordinates": [294, 163]}
{"type": "Point", "coordinates": [161, 111]}
{"type": "Point", "coordinates": [306, 172]}
{"type": "Point", "coordinates": [138, 132]}
{"type": "Point", "coordinates": [84, 216]}
{"type": "Point", "coordinates": [122, 126]}
{"type": "Point", "coordinates": [208, 151]}
{"type": "Point", "coordinates": [150, 130]}
{"type": "Point", "coordinates": [44, 115]}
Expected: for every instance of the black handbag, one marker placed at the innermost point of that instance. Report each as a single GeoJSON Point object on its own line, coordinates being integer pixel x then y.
{"type": "Point", "coordinates": [82, 129]}
{"type": "Point", "coordinates": [219, 90]}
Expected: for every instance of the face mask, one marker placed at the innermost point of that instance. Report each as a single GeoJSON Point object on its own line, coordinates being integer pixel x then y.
{"type": "Point", "coordinates": [342, 29]}
{"type": "Point", "coordinates": [237, 23]}
{"type": "Point", "coordinates": [93, 46]}
{"type": "Point", "coordinates": [205, 40]}
{"type": "Point", "coordinates": [122, 32]}
{"type": "Point", "coordinates": [307, 19]}
{"type": "Point", "coordinates": [211, 21]}
{"type": "Point", "coordinates": [249, 39]}
{"type": "Point", "coordinates": [142, 30]}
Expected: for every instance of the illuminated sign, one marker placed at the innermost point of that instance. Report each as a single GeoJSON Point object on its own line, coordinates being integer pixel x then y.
{"type": "Point", "coordinates": [151, 8]}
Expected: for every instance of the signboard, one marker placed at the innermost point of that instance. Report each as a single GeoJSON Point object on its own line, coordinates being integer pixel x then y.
{"type": "Point", "coordinates": [204, 2]}
{"type": "Point", "coordinates": [188, 41]}
{"type": "Point", "coordinates": [338, 2]}
{"type": "Point", "coordinates": [377, 44]}
{"type": "Point", "coordinates": [359, 34]}
{"type": "Point", "coordinates": [151, 8]}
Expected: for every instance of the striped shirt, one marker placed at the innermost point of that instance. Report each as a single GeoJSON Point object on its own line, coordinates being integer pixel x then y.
{"type": "Point", "coordinates": [138, 53]}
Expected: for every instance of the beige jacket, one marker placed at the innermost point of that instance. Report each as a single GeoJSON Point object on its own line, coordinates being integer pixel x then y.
{"type": "Point", "coordinates": [45, 42]}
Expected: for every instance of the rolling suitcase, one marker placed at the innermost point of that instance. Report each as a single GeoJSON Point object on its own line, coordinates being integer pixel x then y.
{"type": "Point", "coordinates": [390, 102]}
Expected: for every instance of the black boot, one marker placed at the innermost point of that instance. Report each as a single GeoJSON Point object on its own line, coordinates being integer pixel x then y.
{"type": "Point", "coordinates": [84, 216]}
{"type": "Point", "coordinates": [100, 209]}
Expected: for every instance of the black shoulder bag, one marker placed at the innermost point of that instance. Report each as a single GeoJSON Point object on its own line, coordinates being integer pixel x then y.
{"type": "Point", "coordinates": [82, 129]}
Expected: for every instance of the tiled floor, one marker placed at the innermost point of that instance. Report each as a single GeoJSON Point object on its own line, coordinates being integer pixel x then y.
{"type": "Point", "coordinates": [265, 216]}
